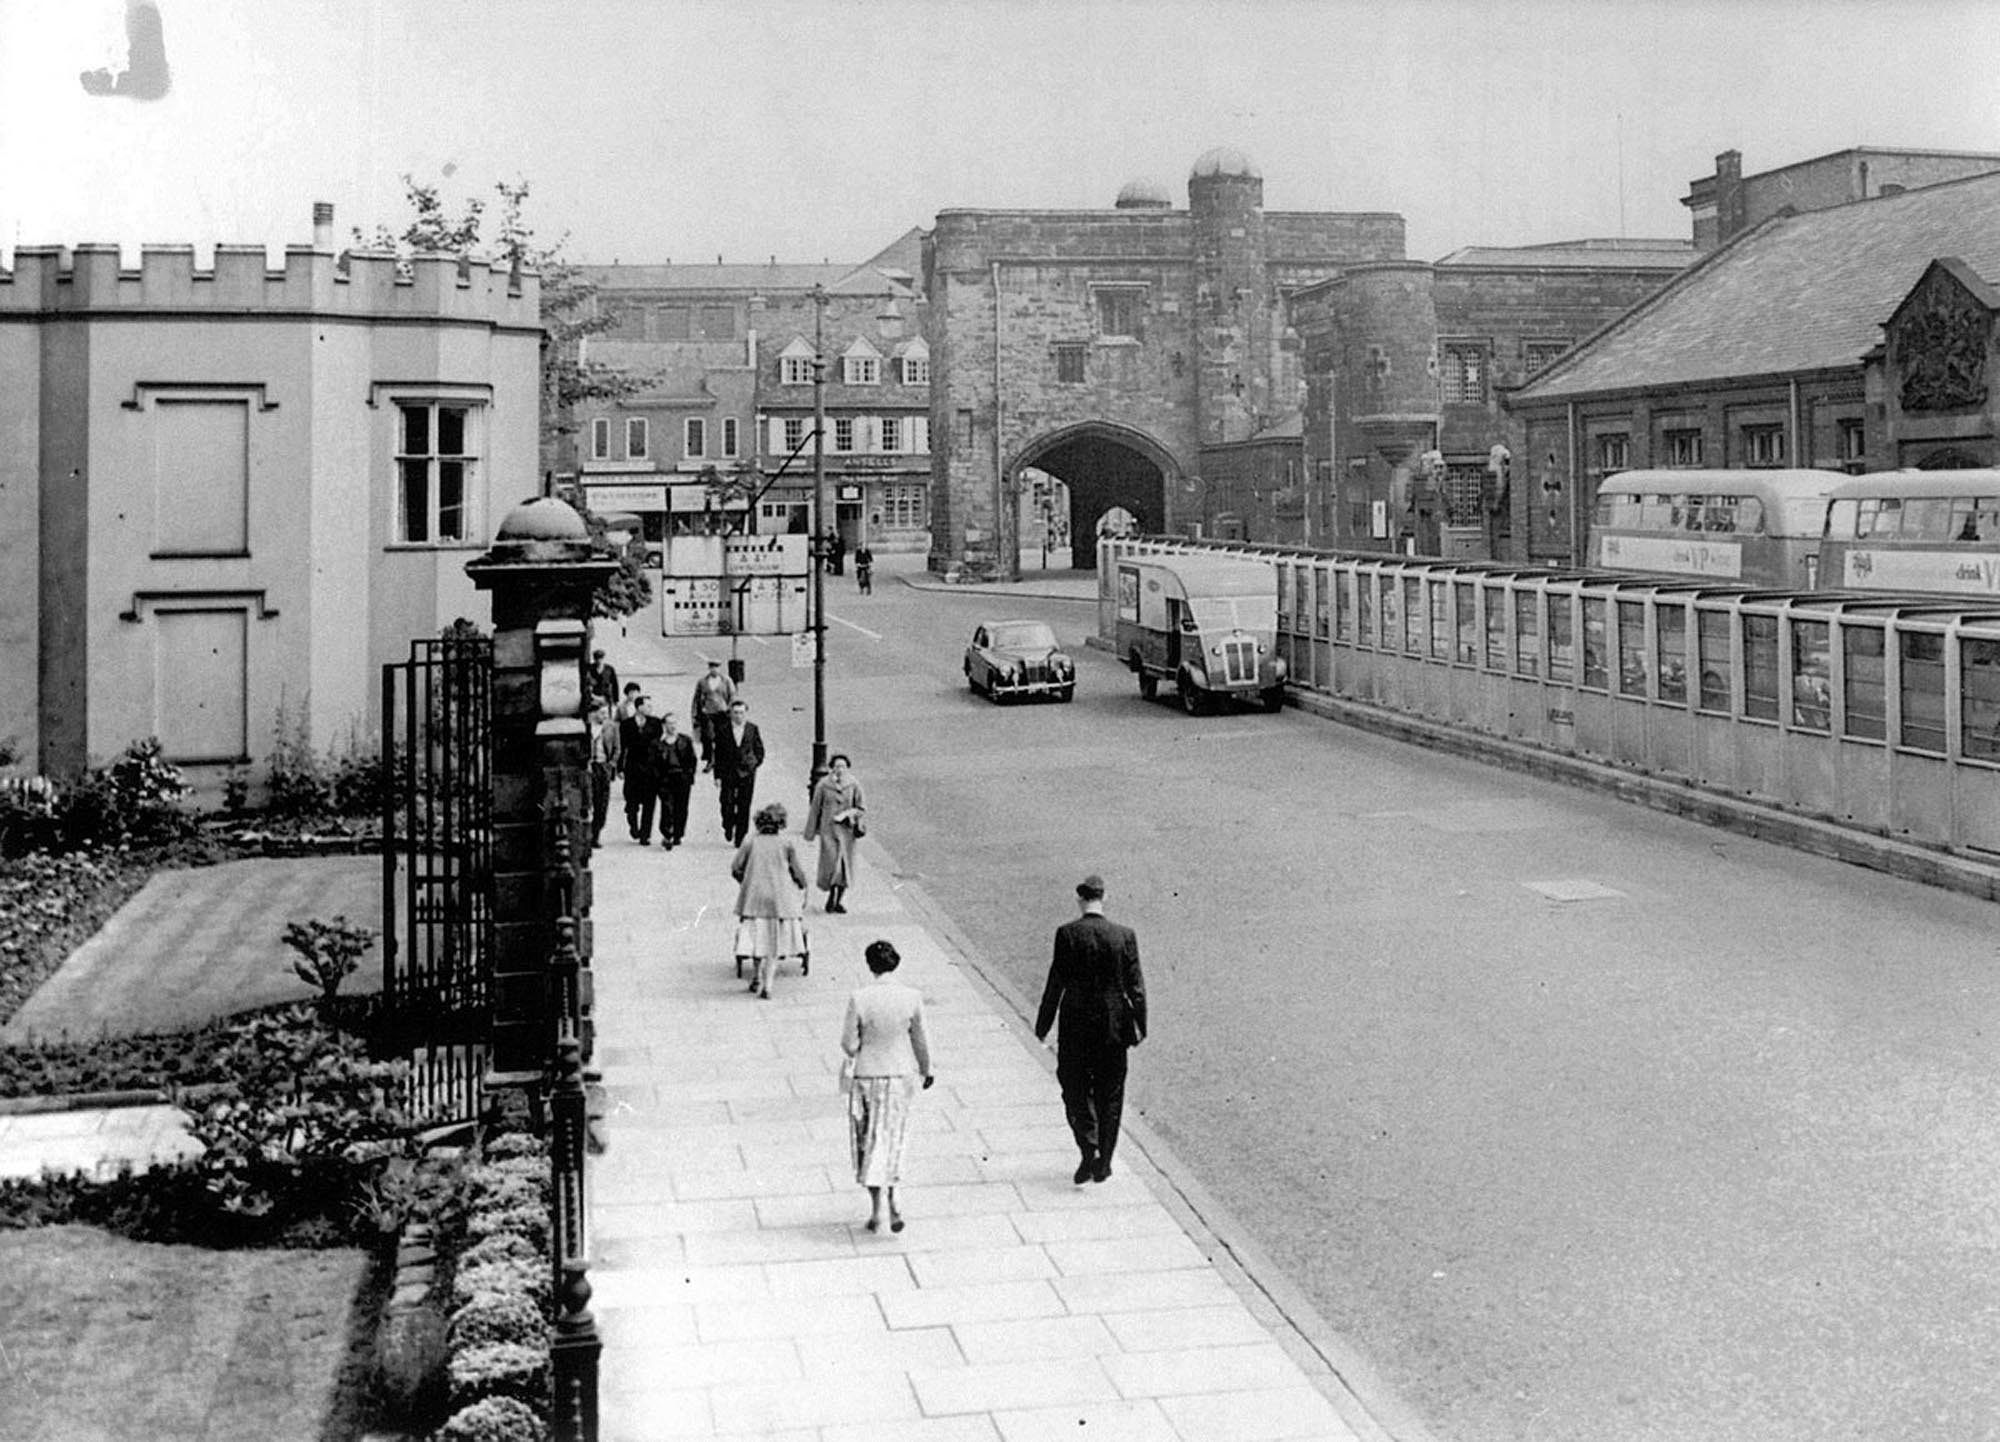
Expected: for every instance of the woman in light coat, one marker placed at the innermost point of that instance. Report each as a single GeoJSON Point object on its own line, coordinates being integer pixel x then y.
{"type": "Point", "coordinates": [770, 904]}
{"type": "Point", "coordinates": [836, 821]}
{"type": "Point", "coordinates": [887, 1051]}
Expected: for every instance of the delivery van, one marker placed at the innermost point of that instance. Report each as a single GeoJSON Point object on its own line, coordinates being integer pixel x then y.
{"type": "Point", "coordinates": [1206, 623]}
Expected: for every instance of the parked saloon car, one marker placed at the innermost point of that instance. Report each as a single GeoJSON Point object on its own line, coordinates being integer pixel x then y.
{"type": "Point", "coordinates": [1018, 658]}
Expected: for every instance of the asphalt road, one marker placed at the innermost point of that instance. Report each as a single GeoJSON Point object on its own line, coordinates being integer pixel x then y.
{"type": "Point", "coordinates": [1580, 1121]}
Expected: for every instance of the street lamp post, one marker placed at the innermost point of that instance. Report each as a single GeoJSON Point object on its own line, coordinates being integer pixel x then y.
{"type": "Point", "coordinates": [818, 547]}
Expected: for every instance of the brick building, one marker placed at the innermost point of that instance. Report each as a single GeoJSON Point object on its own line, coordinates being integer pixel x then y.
{"type": "Point", "coordinates": [1772, 352]}
{"type": "Point", "coordinates": [232, 491]}
{"type": "Point", "coordinates": [728, 352]}
{"type": "Point", "coordinates": [1406, 445]}
{"type": "Point", "coordinates": [1727, 203]}
{"type": "Point", "coordinates": [1274, 376]}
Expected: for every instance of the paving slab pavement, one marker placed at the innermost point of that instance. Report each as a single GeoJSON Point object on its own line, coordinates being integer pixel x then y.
{"type": "Point", "coordinates": [737, 1291]}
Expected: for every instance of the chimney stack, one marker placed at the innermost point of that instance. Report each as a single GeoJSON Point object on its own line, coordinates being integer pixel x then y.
{"type": "Point", "coordinates": [322, 225]}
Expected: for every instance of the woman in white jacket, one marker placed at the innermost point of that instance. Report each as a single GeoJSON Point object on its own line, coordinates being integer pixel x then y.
{"type": "Point", "coordinates": [887, 1051]}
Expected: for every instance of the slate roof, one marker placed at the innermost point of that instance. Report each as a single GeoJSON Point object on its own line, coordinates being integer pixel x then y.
{"type": "Point", "coordinates": [713, 277]}
{"type": "Point", "coordinates": [1797, 293]}
{"type": "Point", "coordinates": [891, 271]}
{"type": "Point", "coordinates": [1578, 255]}
{"type": "Point", "coordinates": [676, 371]}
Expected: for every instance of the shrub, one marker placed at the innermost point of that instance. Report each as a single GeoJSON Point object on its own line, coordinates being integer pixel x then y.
{"type": "Point", "coordinates": [498, 1317]}
{"type": "Point", "coordinates": [134, 800]}
{"type": "Point", "coordinates": [514, 1144]}
{"type": "Point", "coordinates": [328, 952]}
{"type": "Point", "coordinates": [499, 1369]}
{"type": "Point", "coordinates": [308, 1115]}
{"type": "Point", "coordinates": [494, 1419]}
{"type": "Point", "coordinates": [500, 1247]}
{"type": "Point", "coordinates": [527, 1220]}
{"type": "Point", "coordinates": [512, 1278]}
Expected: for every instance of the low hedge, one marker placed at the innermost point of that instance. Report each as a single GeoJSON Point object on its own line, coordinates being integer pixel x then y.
{"type": "Point", "coordinates": [499, 1333]}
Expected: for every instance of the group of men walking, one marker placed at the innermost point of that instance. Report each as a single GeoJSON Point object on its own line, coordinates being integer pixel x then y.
{"type": "Point", "coordinates": [1095, 996]}
{"type": "Point", "coordinates": [659, 762]}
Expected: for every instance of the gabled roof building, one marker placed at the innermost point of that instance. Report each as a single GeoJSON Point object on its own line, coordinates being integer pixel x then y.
{"type": "Point", "coordinates": [1771, 352]}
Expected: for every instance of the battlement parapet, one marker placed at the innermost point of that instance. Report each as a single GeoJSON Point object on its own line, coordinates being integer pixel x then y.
{"type": "Point", "coordinates": [361, 283]}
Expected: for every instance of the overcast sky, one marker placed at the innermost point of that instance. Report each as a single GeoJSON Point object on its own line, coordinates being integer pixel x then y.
{"type": "Point", "coordinates": [653, 130]}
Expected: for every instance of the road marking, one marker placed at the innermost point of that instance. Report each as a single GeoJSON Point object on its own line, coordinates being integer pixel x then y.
{"type": "Point", "coordinates": [871, 635]}
{"type": "Point", "coordinates": [1574, 889]}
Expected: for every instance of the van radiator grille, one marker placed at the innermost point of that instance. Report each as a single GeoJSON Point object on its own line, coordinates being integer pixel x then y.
{"type": "Point", "coordinates": [1239, 661]}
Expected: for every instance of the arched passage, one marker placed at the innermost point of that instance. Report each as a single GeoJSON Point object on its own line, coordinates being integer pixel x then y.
{"type": "Point", "coordinates": [1104, 466]}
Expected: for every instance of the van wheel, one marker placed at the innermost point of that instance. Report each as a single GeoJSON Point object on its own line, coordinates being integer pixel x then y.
{"type": "Point", "coordinates": [1274, 699]}
{"type": "Point", "coordinates": [1192, 696]}
{"type": "Point", "coordinates": [1149, 684]}
{"type": "Point", "coordinates": [1067, 694]}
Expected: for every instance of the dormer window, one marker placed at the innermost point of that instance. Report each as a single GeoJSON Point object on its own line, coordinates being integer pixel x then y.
{"type": "Point", "coordinates": [916, 364]}
{"type": "Point", "coordinates": [861, 365]}
{"type": "Point", "coordinates": [795, 363]}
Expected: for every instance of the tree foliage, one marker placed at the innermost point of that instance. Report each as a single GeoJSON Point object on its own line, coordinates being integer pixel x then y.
{"type": "Point", "coordinates": [502, 235]}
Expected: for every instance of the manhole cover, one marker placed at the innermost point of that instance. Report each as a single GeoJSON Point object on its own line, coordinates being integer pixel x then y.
{"type": "Point", "coordinates": [1573, 889]}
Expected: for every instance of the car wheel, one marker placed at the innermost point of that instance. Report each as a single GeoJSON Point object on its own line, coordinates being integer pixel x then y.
{"type": "Point", "coordinates": [1067, 694]}
{"type": "Point", "coordinates": [1274, 699]}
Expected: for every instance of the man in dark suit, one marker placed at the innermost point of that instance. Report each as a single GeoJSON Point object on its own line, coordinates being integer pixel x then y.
{"type": "Point", "coordinates": [1098, 994]}
{"type": "Point", "coordinates": [677, 765]}
{"type": "Point", "coordinates": [638, 737]}
{"type": "Point", "coordinates": [738, 752]}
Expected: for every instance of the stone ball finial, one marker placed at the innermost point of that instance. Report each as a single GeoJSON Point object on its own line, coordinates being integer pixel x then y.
{"type": "Point", "coordinates": [1144, 193]}
{"type": "Point", "coordinates": [543, 519]}
{"type": "Point", "coordinates": [1225, 160]}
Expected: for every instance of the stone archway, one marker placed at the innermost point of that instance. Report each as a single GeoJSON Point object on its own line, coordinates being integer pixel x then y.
{"type": "Point", "coordinates": [1105, 466]}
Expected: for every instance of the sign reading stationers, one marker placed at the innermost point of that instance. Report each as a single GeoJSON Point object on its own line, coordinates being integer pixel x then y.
{"type": "Point", "coordinates": [734, 585]}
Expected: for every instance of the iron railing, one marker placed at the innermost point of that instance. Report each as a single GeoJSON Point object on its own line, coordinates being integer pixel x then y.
{"type": "Point", "coordinates": [437, 869]}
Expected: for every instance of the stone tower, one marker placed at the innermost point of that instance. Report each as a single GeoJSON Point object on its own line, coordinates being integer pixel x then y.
{"type": "Point", "coordinates": [1232, 296]}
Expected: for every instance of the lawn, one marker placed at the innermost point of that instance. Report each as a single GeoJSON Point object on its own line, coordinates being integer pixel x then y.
{"type": "Point", "coordinates": [104, 1338]}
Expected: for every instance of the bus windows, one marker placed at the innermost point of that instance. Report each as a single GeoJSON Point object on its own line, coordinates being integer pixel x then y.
{"type": "Point", "coordinates": [1979, 697]}
{"type": "Point", "coordinates": [1927, 518]}
{"type": "Point", "coordinates": [1749, 517]}
{"type": "Point", "coordinates": [1812, 697]}
{"type": "Point", "coordinates": [1879, 516]}
{"type": "Point", "coordinates": [1595, 667]}
{"type": "Point", "coordinates": [1711, 640]}
{"type": "Point", "coordinates": [1843, 520]}
{"type": "Point", "coordinates": [1922, 691]}
{"type": "Point", "coordinates": [1867, 714]}
{"type": "Point", "coordinates": [1760, 667]}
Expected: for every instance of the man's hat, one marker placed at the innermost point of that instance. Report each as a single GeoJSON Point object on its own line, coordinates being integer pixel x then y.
{"type": "Point", "coordinates": [713, 662]}
{"type": "Point", "coordinates": [1091, 888]}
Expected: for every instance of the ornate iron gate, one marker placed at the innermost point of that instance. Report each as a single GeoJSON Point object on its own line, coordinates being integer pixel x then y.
{"type": "Point", "coordinates": [437, 868]}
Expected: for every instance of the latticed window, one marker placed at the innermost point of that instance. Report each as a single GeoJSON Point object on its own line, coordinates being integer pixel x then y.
{"type": "Point", "coordinates": [1463, 490]}
{"type": "Point", "coordinates": [1539, 355]}
{"type": "Point", "coordinates": [1463, 375]}
{"type": "Point", "coordinates": [795, 432]}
